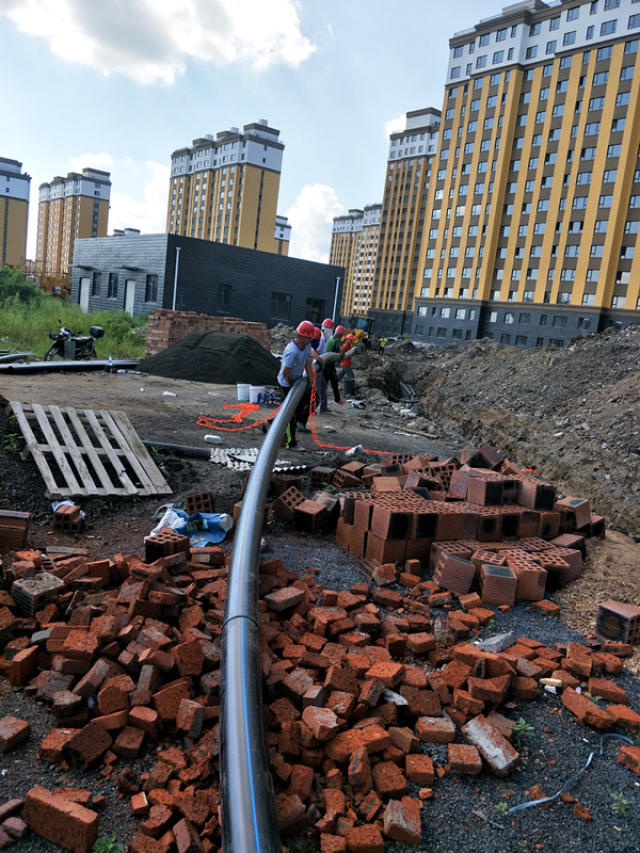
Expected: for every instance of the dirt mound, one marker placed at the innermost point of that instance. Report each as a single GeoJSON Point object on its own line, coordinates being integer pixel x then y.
{"type": "Point", "coordinates": [215, 357]}
{"type": "Point", "coordinates": [280, 337]}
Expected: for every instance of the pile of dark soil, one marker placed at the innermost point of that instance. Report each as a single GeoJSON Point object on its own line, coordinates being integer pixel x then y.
{"type": "Point", "coordinates": [215, 357]}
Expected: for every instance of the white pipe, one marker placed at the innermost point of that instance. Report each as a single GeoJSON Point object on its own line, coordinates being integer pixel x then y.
{"type": "Point", "coordinates": [335, 298]}
{"type": "Point", "coordinates": [175, 279]}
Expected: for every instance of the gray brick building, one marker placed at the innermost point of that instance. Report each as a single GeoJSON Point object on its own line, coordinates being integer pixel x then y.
{"type": "Point", "coordinates": [141, 272]}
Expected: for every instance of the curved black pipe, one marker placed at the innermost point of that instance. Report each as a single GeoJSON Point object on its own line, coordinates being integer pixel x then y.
{"type": "Point", "coordinates": [249, 822]}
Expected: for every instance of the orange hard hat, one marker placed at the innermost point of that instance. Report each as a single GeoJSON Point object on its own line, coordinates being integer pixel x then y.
{"type": "Point", "coordinates": [306, 329]}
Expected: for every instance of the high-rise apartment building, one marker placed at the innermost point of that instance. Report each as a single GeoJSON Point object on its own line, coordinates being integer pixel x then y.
{"type": "Point", "coordinates": [282, 235]}
{"type": "Point", "coordinates": [406, 186]}
{"type": "Point", "coordinates": [354, 244]}
{"type": "Point", "coordinates": [226, 188]}
{"type": "Point", "coordinates": [75, 206]}
{"type": "Point", "coordinates": [533, 210]}
{"type": "Point", "coordinates": [14, 210]}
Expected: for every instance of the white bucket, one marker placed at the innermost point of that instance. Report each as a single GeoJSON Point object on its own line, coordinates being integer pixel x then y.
{"type": "Point", "coordinates": [254, 390]}
{"type": "Point", "coordinates": [243, 392]}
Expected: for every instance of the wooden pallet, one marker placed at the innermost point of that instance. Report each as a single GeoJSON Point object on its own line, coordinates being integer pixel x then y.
{"type": "Point", "coordinates": [86, 453]}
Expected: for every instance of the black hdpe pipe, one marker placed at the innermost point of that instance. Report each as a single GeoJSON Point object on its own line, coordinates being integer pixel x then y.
{"type": "Point", "coordinates": [249, 823]}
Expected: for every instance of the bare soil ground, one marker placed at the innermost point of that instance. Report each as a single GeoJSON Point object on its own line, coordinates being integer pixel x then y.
{"type": "Point", "coordinates": [468, 395]}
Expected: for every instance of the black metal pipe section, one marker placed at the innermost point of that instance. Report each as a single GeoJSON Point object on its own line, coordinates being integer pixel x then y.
{"type": "Point", "coordinates": [60, 366]}
{"type": "Point", "coordinates": [178, 449]}
{"type": "Point", "coordinates": [249, 822]}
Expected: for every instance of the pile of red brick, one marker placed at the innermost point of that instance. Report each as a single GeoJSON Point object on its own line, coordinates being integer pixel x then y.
{"type": "Point", "coordinates": [358, 684]}
{"type": "Point", "coordinates": [166, 327]}
{"type": "Point", "coordinates": [126, 655]}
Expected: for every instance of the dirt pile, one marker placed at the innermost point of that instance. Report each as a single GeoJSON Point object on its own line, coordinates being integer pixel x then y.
{"type": "Point", "coordinates": [215, 357]}
{"type": "Point", "coordinates": [572, 412]}
{"type": "Point", "coordinates": [280, 337]}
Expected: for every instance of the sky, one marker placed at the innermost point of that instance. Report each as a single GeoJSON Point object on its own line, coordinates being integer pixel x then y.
{"type": "Point", "coordinates": [120, 84]}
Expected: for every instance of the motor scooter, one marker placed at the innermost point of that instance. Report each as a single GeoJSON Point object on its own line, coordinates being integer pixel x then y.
{"type": "Point", "coordinates": [73, 347]}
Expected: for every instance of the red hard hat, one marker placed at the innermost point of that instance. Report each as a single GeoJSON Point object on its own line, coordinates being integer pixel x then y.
{"type": "Point", "coordinates": [317, 334]}
{"type": "Point", "coordinates": [350, 338]}
{"type": "Point", "coordinates": [340, 330]}
{"type": "Point", "coordinates": [328, 323]}
{"type": "Point", "coordinates": [306, 329]}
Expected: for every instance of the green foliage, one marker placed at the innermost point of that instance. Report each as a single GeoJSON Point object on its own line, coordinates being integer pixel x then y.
{"type": "Point", "coordinates": [329, 488]}
{"type": "Point", "coordinates": [619, 804]}
{"type": "Point", "coordinates": [27, 314]}
{"type": "Point", "coordinates": [108, 844]}
{"type": "Point", "coordinates": [502, 807]}
{"type": "Point", "coordinates": [521, 731]}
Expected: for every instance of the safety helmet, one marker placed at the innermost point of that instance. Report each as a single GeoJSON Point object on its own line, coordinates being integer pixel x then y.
{"type": "Point", "coordinates": [350, 338]}
{"type": "Point", "coordinates": [317, 334]}
{"type": "Point", "coordinates": [340, 330]}
{"type": "Point", "coordinates": [306, 329]}
{"type": "Point", "coordinates": [328, 323]}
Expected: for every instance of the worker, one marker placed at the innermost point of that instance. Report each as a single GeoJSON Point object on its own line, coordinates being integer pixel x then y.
{"type": "Point", "coordinates": [326, 330]}
{"type": "Point", "coordinates": [333, 344]}
{"type": "Point", "coordinates": [296, 360]}
{"type": "Point", "coordinates": [382, 342]}
{"type": "Point", "coordinates": [345, 364]}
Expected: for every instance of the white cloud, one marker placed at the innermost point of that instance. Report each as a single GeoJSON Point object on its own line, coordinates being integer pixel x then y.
{"type": "Point", "coordinates": [395, 125]}
{"type": "Point", "coordinates": [311, 217]}
{"type": "Point", "coordinates": [152, 41]}
{"type": "Point", "coordinates": [148, 213]}
{"type": "Point", "coordinates": [102, 161]}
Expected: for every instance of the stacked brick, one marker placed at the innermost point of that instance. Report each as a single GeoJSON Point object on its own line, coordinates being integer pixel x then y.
{"type": "Point", "coordinates": [166, 327]}
{"type": "Point", "coordinates": [514, 538]}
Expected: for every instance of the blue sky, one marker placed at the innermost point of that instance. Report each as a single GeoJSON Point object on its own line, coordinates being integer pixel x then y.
{"type": "Point", "coordinates": [120, 84]}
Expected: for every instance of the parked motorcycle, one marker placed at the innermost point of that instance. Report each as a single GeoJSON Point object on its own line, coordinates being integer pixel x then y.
{"type": "Point", "coordinates": [73, 347]}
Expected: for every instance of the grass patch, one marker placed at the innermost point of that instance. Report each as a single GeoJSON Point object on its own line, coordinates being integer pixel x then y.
{"type": "Point", "coordinates": [27, 314]}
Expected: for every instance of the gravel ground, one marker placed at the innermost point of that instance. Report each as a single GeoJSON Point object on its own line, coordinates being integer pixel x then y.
{"type": "Point", "coordinates": [466, 813]}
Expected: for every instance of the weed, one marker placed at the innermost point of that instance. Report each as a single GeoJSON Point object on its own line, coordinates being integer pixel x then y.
{"type": "Point", "coordinates": [107, 844]}
{"type": "Point", "coordinates": [12, 442]}
{"type": "Point", "coordinates": [619, 804]}
{"type": "Point", "coordinates": [329, 489]}
{"type": "Point", "coordinates": [521, 731]}
{"type": "Point", "coordinates": [502, 808]}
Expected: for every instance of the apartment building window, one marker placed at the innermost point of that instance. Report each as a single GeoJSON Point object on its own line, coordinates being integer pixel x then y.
{"type": "Point", "coordinates": [627, 252]}
{"type": "Point", "coordinates": [481, 61]}
{"type": "Point", "coordinates": [611, 4]}
{"type": "Point", "coordinates": [493, 317]}
{"type": "Point", "coordinates": [532, 51]}
{"type": "Point", "coordinates": [631, 227]}
{"type": "Point", "coordinates": [592, 128]}
{"type": "Point", "coordinates": [565, 62]}
{"type": "Point", "coordinates": [622, 99]}
{"type": "Point", "coordinates": [540, 116]}
{"type": "Point", "coordinates": [626, 72]}
{"type": "Point", "coordinates": [509, 318]}
{"type": "Point", "coordinates": [590, 32]}
{"type": "Point", "coordinates": [600, 226]}
{"type": "Point", "coordinates": [554, 23]}
{"type": "Point", "coordinates": [151, 288]}
{"type": "Point", "coordinates": [605, 53]}
{"type": "Point", "coordinates": [634, 21]}
{"type": "Point", "coordinates": [617, 301]}
{"type": "Point", "coordinates": [631, 47]}
{"type": "Point", "coordinates": [551, 46]}
{"type": "Point", "coordinates": [96, 280]}
{"type": "Point", "coordinates": [569, 38]}
{"type": "Point", "coordinates": [607, 28]}
{"type": "Point", "coordinates": [112, 285]}
{"type": "Point", "coordinates": [572, 14]}
{"type": "Point", "coordinates": [558, 110]}
{"type": "Point", "coordinates": [596, 103]}
{"type": "Point", "coordinates": [614, 150]}
{"type": "Point", "coordinates": [498, 56]}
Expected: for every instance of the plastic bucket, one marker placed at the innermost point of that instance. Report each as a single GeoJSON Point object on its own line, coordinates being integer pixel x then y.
{"type": "Point", "coordinates": [243, 392]}
{"type": "Point", "coordinates": [254, 390]}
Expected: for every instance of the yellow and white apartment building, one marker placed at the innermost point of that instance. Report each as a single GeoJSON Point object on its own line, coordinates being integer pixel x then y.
{"type": "Point", "coordinates": [71, 207]}
{"type": "Point", "coordinates": [533, 210]}
{"type": "Point", "coordinates": [225, 189]}
{"type": "Point", "coordinates": [355, 239]}
{"type": "Point", "coordinates": [14, 212]}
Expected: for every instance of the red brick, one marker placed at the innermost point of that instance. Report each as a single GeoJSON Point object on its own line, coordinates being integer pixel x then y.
{"type": "Point", "coordinates": [190, 718]}
{"type": "Point", "coordinates": [389, 673]}
{"type": "Point", "coordinates": [300, 781]}
{"type": "Point", "coordinates": [608, 690]}
{"type": "Point", "coordinates": [284, 599]}
{"type": "Point", "coordinates": [364, 839]}
{"type": "Point", "coordinates": [332, 843]}
{"type": "Point", "coordinates": [586, 710]}
{"type": "Point", "coordinates": [629, 756]}
{"type": "Point", "coordinates": [463, 700]}
{"type": "Point", "coordinates": [402, 820]}
{"type": "Point", "coordinates": [404, 739]}
{"type": "Point", "coordinates": [419, 769]}
{"type": "Point", "coordinates": [464, 758]}
{"type": "Point", "coordinates": [139, 804]}
{"type": "Point", "coordinates": [23, 666]}
{"type": "Point", "coordinates": [13, 732]}
{"type": "Point", "coordinates": [546, 606]}
{"type": "Point", "coordinates": [496, 750]}
{"type": "Point", "coordinates": [435, 729]}
{"type": "Point", "coordinates": [421, 643]}
{"type": "Point", "coordinates": [489, 689]}
{"type": "Point", "coordinates": [189, 657]}
{"type": "Point", "coordinates": [127, 744]}
{"type": "Point", "coordinates": [374, 738]}
{"type": "Point", "coordinates": [145, 719]}
{"type": "Point", "coordinates": [322, 722]}
{"type": "Point", "coordinates": [578, 660]}
{"type": "Point", "coordinates": [422, 703]}
{"type": "Point", "coordinates": [291, 813]}
{"type": "Point", "coordinates": [359, 771]}
{"type": "Point", "coordinates": [88, 744]}
{"type": "Point", "coordinates": [624, 717]}
{"type": "Point", "coordinates": [523, 687]}
{"type": "Point", "coordinates": [64, 823]}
